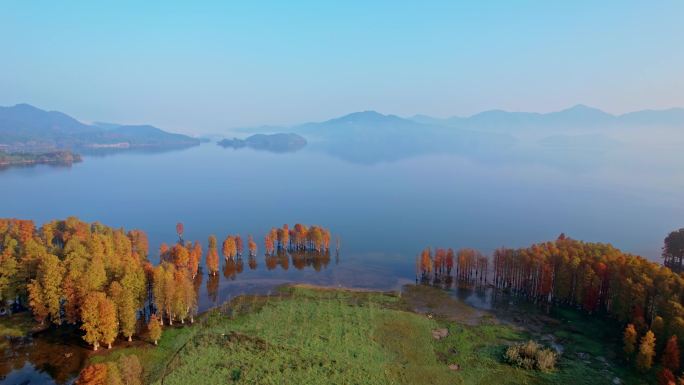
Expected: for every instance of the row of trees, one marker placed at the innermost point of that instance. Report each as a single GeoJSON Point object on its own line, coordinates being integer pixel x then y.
{"type": "Point", "coordinates": [233, 247]}
{"type": "Point", "coordinates": [299, 238]}
{"type": "Point", "coordinates": [594, 277]}
{"type": "Point", "coordinates": [642, 352]}
{"type": "Point", "coordinates": [183, 255]}
{"type": "Point", "coordinates": [174, 295]}
{"type": "Point", "coordinates": [597, 278]}
{"type": "Point", "coordinates": [469, 266]}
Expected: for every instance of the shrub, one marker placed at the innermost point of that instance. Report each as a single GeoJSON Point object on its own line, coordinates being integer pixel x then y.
{"type": "Point", "coordinates": [512, 354]}
{"type": "Point", "coordinates": [530, 348]}
{"type": "Point", "coordinates": [546, 360]}
{"type": "Point", "coordinates": [531, 355]}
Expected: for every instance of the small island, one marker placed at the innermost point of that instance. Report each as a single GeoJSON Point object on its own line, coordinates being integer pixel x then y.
{"type": "Point", "coordinates": [65, 158]}
{"type": "Point", "coordinates": [281, 142]}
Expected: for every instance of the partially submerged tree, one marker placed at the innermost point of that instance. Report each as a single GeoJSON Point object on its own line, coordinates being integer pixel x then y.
{"type": "Point", "coordinates": [179, 230]}
{"type": "Point", "coordinates": [195, 258]}
{"type": "Point", "coordinates": [229, 248]}
{"type": "Point", "coordinates": [252, 246]}
{"type": "Point", "coordinates": [239, 247]}
{"type": "Point", "coordinates": [212, 256]}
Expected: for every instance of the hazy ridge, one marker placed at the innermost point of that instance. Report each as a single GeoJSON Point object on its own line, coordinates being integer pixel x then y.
{"type": "Point", "coordinates": [26, 127]}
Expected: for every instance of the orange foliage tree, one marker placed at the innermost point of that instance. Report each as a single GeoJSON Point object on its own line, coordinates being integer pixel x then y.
{"type": "Point", "coordinates": [212, 256]}
{"type": "Point", "coordinates": [269, 243]}
{"type": "Point", "coordinates": [179, 230]}
{"type": "Point", "coordinates": [154, 328]}
{"type": "Point", "coordinates": [95, 276]}
{"type": "Point", "coordinates": [229, 247]}
{"type": "Point", "coordinates": [252, 246]}
{"type": "Point", "coordinates": [670, 358]}
{"type": "Point", "coordinates": [629, 339]}
{"type": "Point", "coordinates": [644, 359]}
{"type": "Point", "coordinates": [239, 247]}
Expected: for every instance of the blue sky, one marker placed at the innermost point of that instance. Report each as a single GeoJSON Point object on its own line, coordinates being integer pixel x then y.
{"type": "Point", "coordinates": [215, 65]}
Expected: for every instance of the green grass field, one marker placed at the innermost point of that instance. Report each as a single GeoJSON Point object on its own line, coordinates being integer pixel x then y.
{"type": "Point", "coordinates": [319, 336]}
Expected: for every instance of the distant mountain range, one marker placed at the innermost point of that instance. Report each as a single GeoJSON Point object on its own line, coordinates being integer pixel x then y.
{"type": "Point", "coordinates": [367, 136]}
{"type": "Point", "coordinates": [26, 127]}
{"type": "Point", "coordinates": [574, 117]}
{"type": "Point", "coordinates": [579, 116]}
{"type": "Point", "coordinates": [370, 137]}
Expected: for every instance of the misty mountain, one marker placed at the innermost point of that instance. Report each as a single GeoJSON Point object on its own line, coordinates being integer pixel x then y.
{"type": "Point", "coordinates": [370, 137]}
{"type": "Point", "coordinates": [576, 117]}
{"type": "Point", "coordinates": [366, 123]}
{"type": "Point", "coordinates": [23, 122]}
{"type": "Point", "coordinates": [145, 134]}
{"type": "Point", "coordinates": [673, 117]}
{"type": "Point", "coordinates": [24, 126]}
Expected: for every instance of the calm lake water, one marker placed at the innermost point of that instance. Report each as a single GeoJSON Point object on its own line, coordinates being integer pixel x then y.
{"type": "Point", "coordinates": [384, 212]}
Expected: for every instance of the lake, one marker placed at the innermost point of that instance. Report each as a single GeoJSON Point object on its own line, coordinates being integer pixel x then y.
{"type": "Point", "coordinates": [385, 212]}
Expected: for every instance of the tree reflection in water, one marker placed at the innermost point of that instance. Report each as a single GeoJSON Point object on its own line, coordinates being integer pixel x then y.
{"type": "Point", "coordinates": [212, 287]}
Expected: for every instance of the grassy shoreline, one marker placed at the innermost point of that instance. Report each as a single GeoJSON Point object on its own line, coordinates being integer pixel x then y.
{"type": "Point", "coordinates": [305, 334]}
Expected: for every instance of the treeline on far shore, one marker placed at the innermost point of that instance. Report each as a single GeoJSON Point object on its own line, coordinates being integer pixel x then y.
{"type": "Point", "coordinates": [56, 157]}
